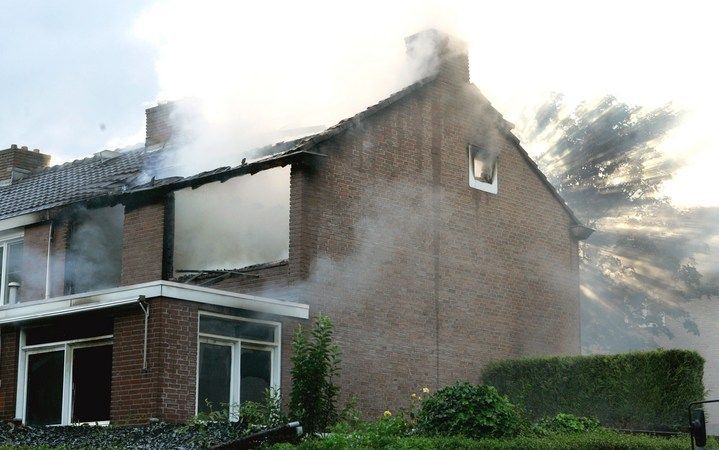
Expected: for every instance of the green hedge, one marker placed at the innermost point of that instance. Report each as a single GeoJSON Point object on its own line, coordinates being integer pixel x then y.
{"type": "Point", "coordinates": [641, 390]}
{"type": "Point", "coordinates": [596, 440]}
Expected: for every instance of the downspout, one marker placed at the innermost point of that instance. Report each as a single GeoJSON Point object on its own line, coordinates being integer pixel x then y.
{"type": "Point", "coordinates": [47, 267]}
{"type": "Point", "coordinates": [146, 309]}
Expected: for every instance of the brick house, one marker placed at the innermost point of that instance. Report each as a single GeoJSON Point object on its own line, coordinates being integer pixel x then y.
{"type": "Point", "coordinates": [420, 226]}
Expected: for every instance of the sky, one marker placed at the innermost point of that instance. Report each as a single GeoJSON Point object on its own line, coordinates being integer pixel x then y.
{"type": "Point", "coordinates": [77, 75]}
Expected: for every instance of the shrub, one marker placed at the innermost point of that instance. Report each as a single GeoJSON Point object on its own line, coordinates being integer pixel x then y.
{"type": "Point", "coordinates": [468, 410]}
{"type": "Point", "coordinates": [563, 424]}
{"type": "Point", "coordinates": [594, 440]}
{"type": "Point", "coordinates": [315, 363]}
{"type": "Point", "coordinates": [641, 390]}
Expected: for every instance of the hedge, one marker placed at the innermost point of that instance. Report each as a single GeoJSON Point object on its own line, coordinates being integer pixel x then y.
{"type": "Point", "coordinates": [641, 390]}
{"type": "Point", "coordinates": [596, 440]}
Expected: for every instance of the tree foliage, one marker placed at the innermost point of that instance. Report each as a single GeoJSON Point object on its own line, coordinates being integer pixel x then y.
{"type": "Point", "coordinates": [640, 265]}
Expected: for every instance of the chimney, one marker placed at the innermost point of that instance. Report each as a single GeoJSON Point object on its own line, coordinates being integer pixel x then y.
{"type": "Point", "coordinates": [158, 123]}
{"type": "Point", "coordinates": [436, 52]}
{"type": "Point", "coordinates": [172, 120]}
{"type": "Point", "coordinates": [16, 162]}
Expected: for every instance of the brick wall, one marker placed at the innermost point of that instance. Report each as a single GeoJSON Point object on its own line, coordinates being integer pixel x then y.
{"type": "Point", "coordinates": [166, 390]}
{"type": "Point", "coordinates": [142, 244]}
{"type": "Point", "coordinates": [8, 371]}
{"type": "Point", "coordinates": [21, 158]}
{"type": "Point", "coordinates": [427, 279]}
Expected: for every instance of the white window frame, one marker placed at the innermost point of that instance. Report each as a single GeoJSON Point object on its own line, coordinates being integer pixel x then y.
{"type": "Point", "coordinates": [7, 238]}
{"type": "Point", "coordinates": [68, 347]}
{"type": "Point", "coordinates": [237, 344]}
{"type": "Point", "coordinates": [492, 187]}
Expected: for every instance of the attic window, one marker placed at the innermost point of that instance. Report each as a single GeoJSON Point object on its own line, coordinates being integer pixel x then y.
{"type": "Point", "coordinates": [482, 168]}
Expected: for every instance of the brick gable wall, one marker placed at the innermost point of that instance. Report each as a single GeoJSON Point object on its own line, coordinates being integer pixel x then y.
{"type": "Point", "coordinates": [426, 278]}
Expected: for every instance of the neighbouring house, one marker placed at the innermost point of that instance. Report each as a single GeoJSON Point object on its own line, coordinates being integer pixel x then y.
{"type": "Point", "coordinates": [420, 226]}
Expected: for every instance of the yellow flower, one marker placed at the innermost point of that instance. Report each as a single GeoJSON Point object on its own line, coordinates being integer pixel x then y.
{"type": "Point", "coordinates": [425, 390]}
{"type": "Point", "coordinates": [387, 413]}
{"type": "Point", "coordinates": [414, 395]}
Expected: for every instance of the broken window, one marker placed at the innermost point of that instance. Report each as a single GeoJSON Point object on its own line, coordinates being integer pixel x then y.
{"type": "Point", "coordinates": [10, 267]}
{"type": "Point", "coordinates": [231, 225]}
{"type": "Point", "coordinates": [483, 168]}
{"type": "Point", "coordinates": [44, 388]}
{"type": "Point", "coordinates": [215, 376]}
{"type": "Point", "coordinates": [238, 361]}
{"type": "Point", "coordinates": [94, 253]}
{"type": "Point", "coordinates": [65, 382]}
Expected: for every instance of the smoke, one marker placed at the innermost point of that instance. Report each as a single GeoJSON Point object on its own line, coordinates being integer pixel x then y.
{"type": "Point", "coordinates": [94, 252]}
{"type": "Point", "coordinates": [260, 75]}
{"type": "Point", "coordinates": [234, 224]}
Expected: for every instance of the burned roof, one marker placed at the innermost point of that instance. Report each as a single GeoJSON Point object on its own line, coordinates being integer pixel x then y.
{"type": "Point", "coordinates": [122, 173]}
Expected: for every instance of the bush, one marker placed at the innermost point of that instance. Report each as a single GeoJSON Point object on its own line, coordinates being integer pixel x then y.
{"type": "Point", "coordinates": [641, 390]}
{"type": "Point", "coordinates": [564, 424]}
{"type": "Point", "coordinates": [469, 410]}
{"type": "Point", "coordinates": [315, 363]}
{"type": "Point", "coordinates": [595, 440]}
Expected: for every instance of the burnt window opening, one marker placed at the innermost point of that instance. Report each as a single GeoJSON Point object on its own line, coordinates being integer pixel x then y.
{"type": "Point", "coordinates": [233, 224]}
{"type": "Point", "coordinates": [94, 252]}
{"type": "Point", "coordinates": [483, 168]}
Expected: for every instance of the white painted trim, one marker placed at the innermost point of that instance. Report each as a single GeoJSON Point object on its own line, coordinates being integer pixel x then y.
{"type": "Point", "coordinates": [20, 221]}
{"type": "Point", "coordinates": [492, 187]}
{"type": "Point", "coordinates": [126, 295]}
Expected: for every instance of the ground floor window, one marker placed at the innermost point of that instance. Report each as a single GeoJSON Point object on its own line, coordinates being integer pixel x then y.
{"type": "Point", "coordinates": [60, 383]}
{"type": "Point", "coordinates": [238, 360]}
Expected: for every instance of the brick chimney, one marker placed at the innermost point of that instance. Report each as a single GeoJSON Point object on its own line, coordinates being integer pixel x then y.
{"type": "Point", "coordinates": [16, 162]}
{"type": "Point", "coordinates": [434, 51]}
{"type": "Point", "coordinates": [159, 127]}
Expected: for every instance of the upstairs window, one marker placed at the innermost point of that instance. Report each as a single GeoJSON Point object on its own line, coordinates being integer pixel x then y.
{"type": "Point", "coordinates": [10, 267]}
{"type": "Point", "coordinates": [482, 168]}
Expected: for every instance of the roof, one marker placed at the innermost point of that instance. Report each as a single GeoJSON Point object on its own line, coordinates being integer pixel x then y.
{"type": "Point", "coordinates": [67, 183]}
{"type": "Point", "coordinates": [102, 178]}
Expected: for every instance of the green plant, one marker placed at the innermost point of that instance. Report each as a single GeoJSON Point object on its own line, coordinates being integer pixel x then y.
{"type": "Point", "coordinates": [593, 440]}
{"type": "Point", "coordinates": [564, 423]}
{"type": "Point", "coordinates": [315, 364]}
{"type": "Point", "coordinates": [469, 410]}
{"type": "Point", "coordinates": [640, 390]}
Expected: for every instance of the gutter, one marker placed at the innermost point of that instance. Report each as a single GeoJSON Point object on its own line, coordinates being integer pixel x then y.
{"type": "Point", "coordinates": [130, 295]}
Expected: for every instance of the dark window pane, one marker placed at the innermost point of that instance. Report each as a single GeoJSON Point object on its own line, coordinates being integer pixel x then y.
{"type": "Point", "coordinates": [71, 327]}
{"type": "Point", "coordinates": [215, 375]}
{"type": "Point", "coordinates": [237, 329]}
{"type": "Point", "coordinates": [91, 376]}
{"type": "Point", "coordinates": [255, 374]}
{"type": "Point", "coordinates": [44, 388]}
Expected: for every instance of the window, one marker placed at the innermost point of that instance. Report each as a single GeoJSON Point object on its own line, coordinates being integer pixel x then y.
{"type": "Point", "coordinates": [482, 169]}
{"type": "Point", "coordinates": [94, 251]}
{"type": "Point", "coordinates": [10, 266]}
{"type": "Point", "coordinates": [65, 382]}
{"type": "Point", "coordinates": [238, 360]}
